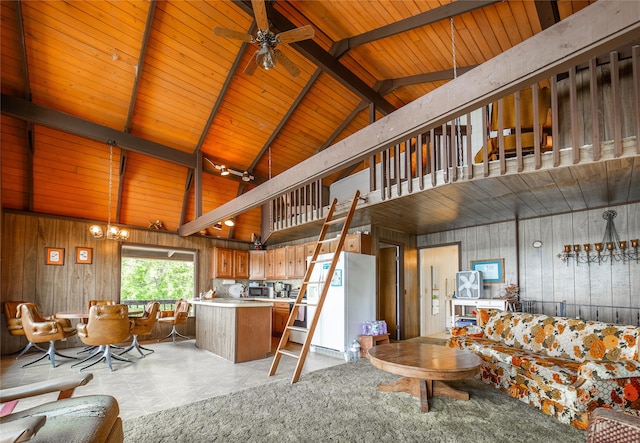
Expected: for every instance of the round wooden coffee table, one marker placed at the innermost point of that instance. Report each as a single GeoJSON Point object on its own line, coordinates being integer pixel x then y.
{"type": "Point", "coordinates": [425, 369]}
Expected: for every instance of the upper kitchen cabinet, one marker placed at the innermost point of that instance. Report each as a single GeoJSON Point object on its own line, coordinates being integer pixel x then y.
{"type": "Point", "coordinates": [241, 264]}
{"type": "Point", "coordinates": [296, 261]}
{"type": "Point", "coordinates": [360, 243]}
{"type": "Point", "coordinates": [257, 265]}
{"type": "Point", "coordinates": [230, 263]}
{"type": "Point", "coordinates": [222, 263]}
{"type": "Point", "coordinates": [280, 263]}
{"type": "Point", "coordinates": [270, 264]}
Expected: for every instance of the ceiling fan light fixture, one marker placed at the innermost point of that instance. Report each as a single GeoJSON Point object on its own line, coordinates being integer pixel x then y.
{"type": "Point", "coordinates": [246, 177]}
{"type": "Point", "coordinates": [224, 170]}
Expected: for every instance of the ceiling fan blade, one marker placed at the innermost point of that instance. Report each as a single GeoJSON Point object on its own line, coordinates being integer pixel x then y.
{"type": "Point", "coordinates": [295, 35]}
{"type": "Point", "coordinates": [251, 66]}
{"type": "Point", "coordinates": [223, 32]}
{"type": "Point", "coordinates": [260, 12]}
{"type": "Point", "coordinates": [287, 63]}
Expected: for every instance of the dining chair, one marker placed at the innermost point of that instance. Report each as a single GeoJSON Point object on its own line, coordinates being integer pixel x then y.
{"type": "Point", "coordinates": [142, 326]}
{"type": "Point", "coordinates": [106, 325]}
{"type": "Point", "coordinates": [178, 316]}
{"type": "Point", "coordinates": [37, 329]}
{"type": "Point", "coordinates": [14, 325]}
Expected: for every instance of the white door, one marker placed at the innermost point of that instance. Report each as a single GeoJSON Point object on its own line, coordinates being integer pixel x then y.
{"type": "Point", "coordinates": [438, 267]}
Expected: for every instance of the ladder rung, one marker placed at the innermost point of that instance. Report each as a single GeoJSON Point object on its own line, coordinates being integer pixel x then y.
{"type": "Point", "coordinates": [298, 328]}
{"type": "Point", "coordinates": [322, 260]}
{"type": "Point", "coordinates": [289, 353]}
{"type": "Point", "coordinates": [336, 220]}
{"type": "Point", "coordinates": [303, 303]}
{"type": "Point", "coordinates": [326, 240]}
{"type": "Point", "coordinates": [317, 282]}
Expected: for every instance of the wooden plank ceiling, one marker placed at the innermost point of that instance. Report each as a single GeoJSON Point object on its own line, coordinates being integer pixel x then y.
{"type": "Point", "coordinates": [154, 71]}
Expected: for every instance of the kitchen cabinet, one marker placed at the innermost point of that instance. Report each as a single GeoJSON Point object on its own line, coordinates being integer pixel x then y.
{"type": "Point", "coordinates": [280, 317]}
{"type": "Point", "coordinates": [301, 261]}
{"type": "Point", "coordinates": [280, 265]}
{"type": "Point", "coordinates": [222, 263]}
{"type": "Point", "coordinates": [257, 265]}
{"type": "Point", "coordinates": [241, 264]}
{"type": "Point", "coordinates": [296, 261]}
{"type": "Point", "coordinates": [230, 263]}
{"type": "Point", "coordinates": [270, 271]}
{"type": "Point", "coordinates": [360, 243]}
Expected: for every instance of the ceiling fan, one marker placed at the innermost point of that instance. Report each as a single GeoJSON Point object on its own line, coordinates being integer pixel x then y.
{"type": "Point", "coordinates": [268, 55]}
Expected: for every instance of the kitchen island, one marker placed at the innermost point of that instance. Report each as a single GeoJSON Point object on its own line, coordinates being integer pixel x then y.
{"type": "Point", "coordinates": [235, 329]}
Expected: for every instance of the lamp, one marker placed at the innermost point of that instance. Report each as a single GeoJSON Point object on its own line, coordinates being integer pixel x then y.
{"type": "Point", "coordinates": [111, 232]}
{"type": "Point", "coordinates": [229, 222]}
{"type": "Point", "coordinates": [224, 171]}
{"type": "Point", "coordinates": [610, 249]}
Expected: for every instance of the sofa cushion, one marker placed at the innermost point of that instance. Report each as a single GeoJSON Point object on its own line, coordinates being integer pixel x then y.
{"type": "Point", "coordinates": [562, 337]}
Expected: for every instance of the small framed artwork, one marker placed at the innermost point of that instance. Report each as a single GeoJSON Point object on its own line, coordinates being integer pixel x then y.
{"type": "Point", "coordinates": [54, 256]}
{"type": "Point", "coordinates": [492, 269]}
{"type": "Point", "coordinates": [84, 256]}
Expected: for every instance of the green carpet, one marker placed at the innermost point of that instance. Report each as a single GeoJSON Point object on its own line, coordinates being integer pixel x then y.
{"type": "Point", "coordinates": [342, 404]}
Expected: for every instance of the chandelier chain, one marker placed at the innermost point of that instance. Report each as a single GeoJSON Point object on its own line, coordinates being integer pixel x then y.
{"type": "Point", "coordinates": [110, 184]}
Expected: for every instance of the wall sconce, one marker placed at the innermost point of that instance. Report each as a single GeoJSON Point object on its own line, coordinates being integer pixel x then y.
{"type": "Point", "coordinates": [610, 249]}
{"type": "Point", "coordinates": [224, 170]}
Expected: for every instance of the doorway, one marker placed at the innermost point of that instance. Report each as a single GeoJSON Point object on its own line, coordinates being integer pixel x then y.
{"type": "Point", "coordinates": [438, 267]}
{"type": "Point", "coordinates": [390, 288]}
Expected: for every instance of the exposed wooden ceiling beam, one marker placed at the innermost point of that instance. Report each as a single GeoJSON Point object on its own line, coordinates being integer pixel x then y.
{"type": "Point", "coordinates": [611, 24]}
{"type": "Point", "coordinates": [548, 13]}
{"type": "Point", "coordinates": [417, 21]}
{"type": "Point", "coordinates": [40, 115]}
{"type": "Point", "coordinates": [141, 57]}
{"type": "Point", "coordinates": [286, 117]}
{"type": "Point", "coordinates": [387, 86]}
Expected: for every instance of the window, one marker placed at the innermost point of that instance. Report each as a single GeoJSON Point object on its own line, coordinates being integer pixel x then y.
{"type": "Point", "coordinates": [151, 273]}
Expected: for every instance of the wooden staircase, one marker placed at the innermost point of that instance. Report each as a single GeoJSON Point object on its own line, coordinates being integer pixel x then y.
{"type": "Point", "coordinates": [286, 347]}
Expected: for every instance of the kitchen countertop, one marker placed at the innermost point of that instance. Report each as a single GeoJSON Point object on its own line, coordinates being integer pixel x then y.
{"type": "Point", "coordinates": [245, 302]}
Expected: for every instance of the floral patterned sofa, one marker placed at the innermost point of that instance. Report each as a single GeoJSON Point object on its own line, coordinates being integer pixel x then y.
{"type": "Point", "coordinates": [566, 367]}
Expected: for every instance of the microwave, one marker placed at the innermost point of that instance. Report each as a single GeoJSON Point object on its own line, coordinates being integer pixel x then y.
{"type": "Point", "coordinates": [258, 291]}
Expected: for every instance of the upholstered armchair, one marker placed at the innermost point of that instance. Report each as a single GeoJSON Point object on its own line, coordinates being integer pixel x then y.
{"type": "Point", "coordinates": [106, 325]}
{"type": "Point", "coordinates": [37, 329]}
{"type": "Point", "coordinates": [142, 326]}
{"type": "Point", "coordinates": [86, 419]}
{"type": "Point", "coordinates": [14, 325]}
{"type": "Point", "coordinates": [178, 316]}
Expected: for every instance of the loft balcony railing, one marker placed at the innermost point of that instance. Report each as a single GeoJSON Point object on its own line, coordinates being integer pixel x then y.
{"type": "Point", "coordinates": [587, 114]}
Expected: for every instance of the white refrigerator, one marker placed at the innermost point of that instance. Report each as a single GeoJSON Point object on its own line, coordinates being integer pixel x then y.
{"type": "Point", "coordinates": [351, 299]}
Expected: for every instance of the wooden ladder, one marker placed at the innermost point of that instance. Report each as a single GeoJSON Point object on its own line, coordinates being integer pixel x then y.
{"type": "Point", "coordinates": [285, 347]}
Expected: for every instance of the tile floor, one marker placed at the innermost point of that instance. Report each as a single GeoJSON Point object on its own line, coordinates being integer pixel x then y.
{"type": "Point", "coordinates": [174, 375]}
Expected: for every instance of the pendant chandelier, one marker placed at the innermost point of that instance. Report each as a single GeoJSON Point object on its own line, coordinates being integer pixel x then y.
{"type": "Point", "coordinates": [111, 232]}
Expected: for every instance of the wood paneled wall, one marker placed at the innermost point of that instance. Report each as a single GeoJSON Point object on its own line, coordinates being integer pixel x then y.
{"type": "Point", "coordinates": [608, 292]}
{"type": "Point", "coordinates": [498, 240]}
{"type": "Point", "coordinates": [25, 276]}
{"type": "Point", "coordinates": [599, 292]}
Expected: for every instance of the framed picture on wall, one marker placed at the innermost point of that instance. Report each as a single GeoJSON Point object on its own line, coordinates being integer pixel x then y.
{"type": "Point", "coordinates": [54, 256]}
{"type": "Point", "coordinates": [492, 269]}
{"type": "Point", "coordinates": [84, 256]}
